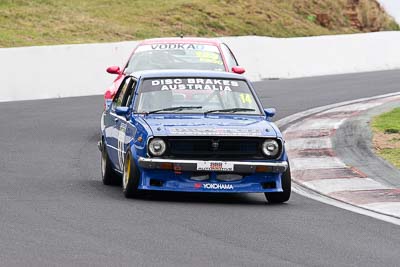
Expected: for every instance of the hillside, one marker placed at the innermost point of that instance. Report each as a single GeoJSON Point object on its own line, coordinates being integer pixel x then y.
{"type": "Point", "coordinates": [41, 22]}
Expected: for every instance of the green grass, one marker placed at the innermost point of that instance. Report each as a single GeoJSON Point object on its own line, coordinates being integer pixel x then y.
{"type": "Point", "coordinates": [389, 124]}
{"type": "Point", "coordinates": [391, 155]}
{"type": "Point", "coordinates": [40, 22]}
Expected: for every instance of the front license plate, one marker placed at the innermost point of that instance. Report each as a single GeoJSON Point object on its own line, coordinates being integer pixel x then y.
{"type": "Point", "coordinates": [215, 166]}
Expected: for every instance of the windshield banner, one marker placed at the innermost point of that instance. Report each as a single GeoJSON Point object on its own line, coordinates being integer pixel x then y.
{"type": "Point", "coordinates": [194, 84]}
{"type": "Point", "coordinates": [177, 46]}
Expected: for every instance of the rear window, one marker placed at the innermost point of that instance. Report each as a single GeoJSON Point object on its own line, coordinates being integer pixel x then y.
{"type": "Point", "coordinates": [176, 56]}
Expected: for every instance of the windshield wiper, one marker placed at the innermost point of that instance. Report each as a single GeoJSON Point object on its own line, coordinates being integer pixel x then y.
{"type": "Point", "coordinates": [175, 109]}
{"type": "Point", "coordinates": [233, 110]}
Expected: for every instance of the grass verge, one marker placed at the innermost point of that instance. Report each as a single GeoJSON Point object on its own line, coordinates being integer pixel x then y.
{"type": "Point", "coordinates": [386, 128]}
{"type": "Point", "coordinates": [41, 22]}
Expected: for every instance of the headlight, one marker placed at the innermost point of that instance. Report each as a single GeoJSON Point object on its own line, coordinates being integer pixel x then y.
{"type": "Point", "coordinates": [157, 147]}
{"type": "Point", "coordinates": [270, 148]}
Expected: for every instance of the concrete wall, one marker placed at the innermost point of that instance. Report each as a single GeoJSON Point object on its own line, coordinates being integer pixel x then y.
{"type": "Point", "coordinates": [58, 71]}
{"type": "Point", "coordinates": [265, 57]}
{"type": "Point", "coordinates": [77, 70]}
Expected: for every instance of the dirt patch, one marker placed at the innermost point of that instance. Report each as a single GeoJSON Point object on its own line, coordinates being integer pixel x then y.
{"type": "Point", "coordinates": [386, 141]}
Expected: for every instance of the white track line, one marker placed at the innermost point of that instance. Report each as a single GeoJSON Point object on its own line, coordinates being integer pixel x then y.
{"type": "Point", "coordinates": [298, 189]}
{"type": "Point", "coordinates": [392, 208]}
{"type": "Point", "coordinates": [356, 107]}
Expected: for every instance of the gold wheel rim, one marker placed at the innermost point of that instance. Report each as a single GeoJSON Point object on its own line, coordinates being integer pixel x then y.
{"type": "Point", "coordinates": [127, 171]}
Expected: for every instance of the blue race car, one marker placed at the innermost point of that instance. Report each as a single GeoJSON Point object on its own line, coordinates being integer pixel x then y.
{"type": "Point", "coordinates": [192, 131]}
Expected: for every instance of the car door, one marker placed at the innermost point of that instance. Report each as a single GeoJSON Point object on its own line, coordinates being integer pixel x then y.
{"type": "Point", "coordinates": [123, 125]}
{"type": "Point", "coordinates": [127, 128]}
{"type": "Point", "coordinates": [114, 124]}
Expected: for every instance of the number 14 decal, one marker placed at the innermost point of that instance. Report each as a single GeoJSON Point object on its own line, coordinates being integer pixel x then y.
{"type": "Point", "coordinates": [245, 98]}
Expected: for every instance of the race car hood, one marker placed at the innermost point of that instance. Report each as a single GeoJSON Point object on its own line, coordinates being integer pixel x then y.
{"type": "Point", "coordinates": [211, 125]}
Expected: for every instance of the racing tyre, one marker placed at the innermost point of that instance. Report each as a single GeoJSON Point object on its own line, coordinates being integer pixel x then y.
{"type": "Point", "coordinates": [280, 197]}
{"type": "Point", "coordinates": [108, 175]}
{"type": "Point", "coordinates": [130, 178]}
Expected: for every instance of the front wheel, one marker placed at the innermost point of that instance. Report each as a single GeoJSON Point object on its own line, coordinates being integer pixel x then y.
{"type": "Point", "coordinates": [130, 178]}
{"type": "Point", "coordinates": [280, 197]}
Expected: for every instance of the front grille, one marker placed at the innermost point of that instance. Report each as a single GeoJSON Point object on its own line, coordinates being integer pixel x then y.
{"type": "Point", "coordinates": [215, 148]}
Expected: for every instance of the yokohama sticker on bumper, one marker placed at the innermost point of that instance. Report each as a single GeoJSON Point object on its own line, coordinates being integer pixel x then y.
{"type": "Point", "coordinates": [214, 186]}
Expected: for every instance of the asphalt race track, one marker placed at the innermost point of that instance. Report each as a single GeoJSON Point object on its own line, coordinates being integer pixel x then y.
{"type": "Point", "coordinates": [54, 209]}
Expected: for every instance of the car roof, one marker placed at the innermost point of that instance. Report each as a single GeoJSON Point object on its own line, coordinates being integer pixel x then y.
{"type": "Point", "coordinates": [186, 73]}
{"type": "Point", "coordinates": [184, 40]}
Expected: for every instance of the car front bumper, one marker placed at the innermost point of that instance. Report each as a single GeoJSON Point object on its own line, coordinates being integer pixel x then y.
{"type": "Point", "coordinates": [184, 176]}
{"type": "Point", "coordinates": [191, 165]}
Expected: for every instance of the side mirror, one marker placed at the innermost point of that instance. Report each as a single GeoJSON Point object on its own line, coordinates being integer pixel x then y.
{"type": "Point", "coordinates": [122, 111]}
{"type": "Point", "coordinates": [114, 70]}
{"type": "Point", "coordinates": [238, 70]}
{"type": "Point", "coordinates": [270, 112]}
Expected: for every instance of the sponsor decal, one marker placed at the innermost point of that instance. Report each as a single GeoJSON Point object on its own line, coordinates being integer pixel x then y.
{"type": "Point", "coordinates": [197, 185]}
{"type": "Point", "coordinates": [121, 144]}
{"type": "Point", "coordinates": [210, 57]}
{"type": "Point", "coordinates": [177, 46]}
{"type": "Point", "coordinates": [214, 131]}
{"type": "Point", "coordinates": [209, 85]}
{"type": "Point", "coordinates": [218, 186]}
{"type": "Point", "coordinates": [195, 84]}
{"type": "Point", "coordinates": [215, 166]}
{"type": "Point", "coordinates": [246, 98]}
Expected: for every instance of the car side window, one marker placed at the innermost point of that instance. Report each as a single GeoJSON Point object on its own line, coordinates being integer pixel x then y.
{"type": "Point", "coordinates": [124, 94]}
{"type": "Point", "coordinates": [230, 59]}
{"type": "Point", "coordinates": [127, 101]}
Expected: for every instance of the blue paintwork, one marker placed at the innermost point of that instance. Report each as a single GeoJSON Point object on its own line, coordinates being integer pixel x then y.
{"type": "Point", "coordinates": [121, 133]}
{"type": "Point", "coordinates": [161, 123]}
{"type": "Point", "coordinates": [122, 111]}
{"type": "Point", "coordinates": [270, 112]}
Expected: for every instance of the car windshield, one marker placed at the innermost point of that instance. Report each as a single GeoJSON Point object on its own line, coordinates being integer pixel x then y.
{"type": "Point", "coordinates": [176, 56]}
{"type": "Point", "coordinates": [196, 95]}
